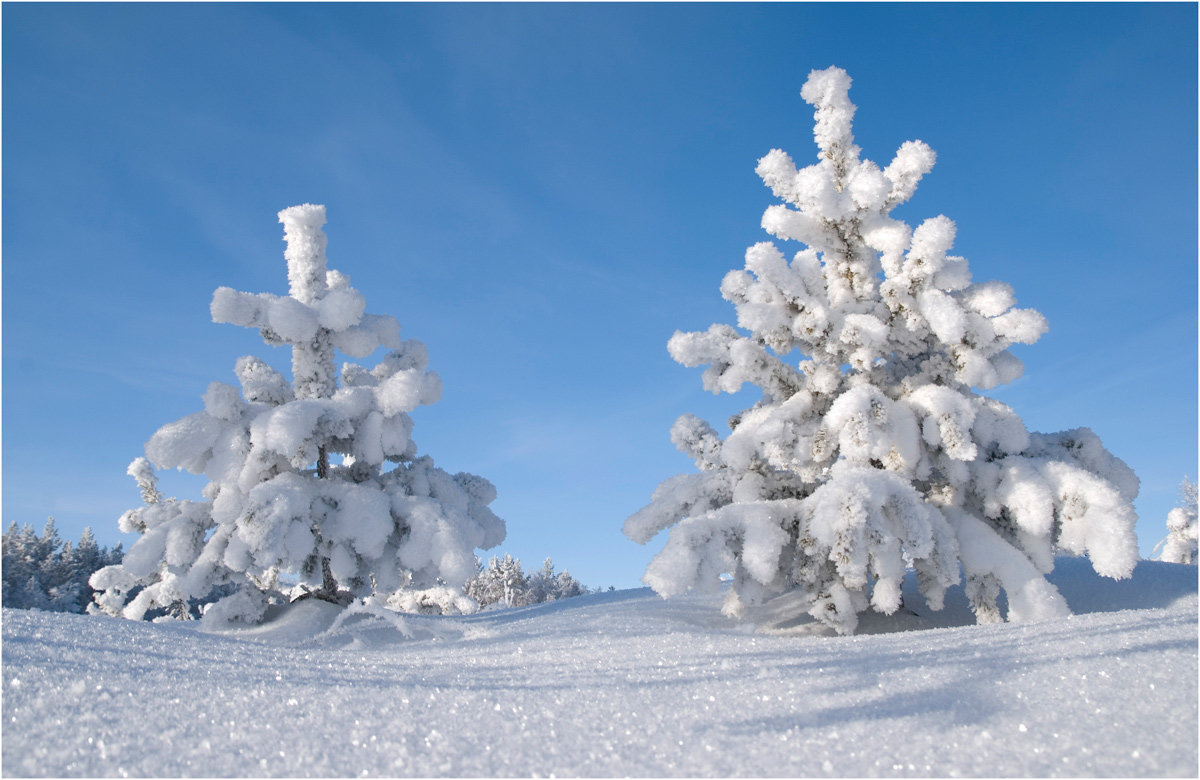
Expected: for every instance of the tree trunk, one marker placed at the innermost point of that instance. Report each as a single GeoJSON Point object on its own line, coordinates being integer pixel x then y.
{"type": "Point", "coordinates": [328, 583]}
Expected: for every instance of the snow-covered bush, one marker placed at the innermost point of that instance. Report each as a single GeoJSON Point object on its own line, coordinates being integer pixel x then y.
{"type": "Point", "coordinates": [438, 600]}
{"type": "Point", "coordinates": [49, 573]}
{"type": "Point", "coordinates": [314, 478]}
{"type": "Point", "coordinates": [1180, 545]}
{"type": "Point", "coordinates": [502, 582]}
{"type": "Point", "coordinates": [872, 453]}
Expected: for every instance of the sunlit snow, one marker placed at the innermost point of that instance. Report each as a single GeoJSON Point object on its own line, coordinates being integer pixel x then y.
{"type": "Point", "coordinates": [620, 683]}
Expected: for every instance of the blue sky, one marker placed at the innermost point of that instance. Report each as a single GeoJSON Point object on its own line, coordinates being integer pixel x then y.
{"type": "Point", "coordinates": [543, 194]}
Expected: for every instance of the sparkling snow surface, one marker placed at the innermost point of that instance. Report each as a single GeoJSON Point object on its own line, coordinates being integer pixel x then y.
{"type": "Point", "coordinates": [620, 683]}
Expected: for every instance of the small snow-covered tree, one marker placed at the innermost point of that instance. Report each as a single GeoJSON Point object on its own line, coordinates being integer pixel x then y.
{"type": "Point", "coordinates": [500, 582]}
{"type": "Point", "coordinates": [1180, 545]}
{"type": "Point", "coordinates": [872, 452]}
{"type": "Point", "coordinates": [23, 558]}
{"type": "Point", "coordinates": [550, 585]}
{"type": "Point", "coordinates": [503, 582]}
{"type": "Point", "coordinates": [314, 478]}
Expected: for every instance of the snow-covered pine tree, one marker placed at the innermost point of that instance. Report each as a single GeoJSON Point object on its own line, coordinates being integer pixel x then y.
{"type": "Point", "coordinates": [22, 564]}
{"type": "Point", "coordinates": [1180, 544]}
{"type": "Point", "coordinates": [549, 585]}
{"type": "Point", "coordinates": [500, 582]}
{"type": "Point", "coordinates": [872, 452]}
{"type": "Point", "coordinates": [313, 478]}
{"type": "Point", "coordinates": [542, 584]}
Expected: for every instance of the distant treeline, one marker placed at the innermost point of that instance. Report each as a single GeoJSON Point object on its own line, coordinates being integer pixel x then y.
{"type": "Point", "coordinates": [502, 582]}
{"type": "Point", "coordinates": [47, 572]}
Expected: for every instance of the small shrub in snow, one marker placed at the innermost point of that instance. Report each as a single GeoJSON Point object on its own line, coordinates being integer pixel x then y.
{"type": "Point", "coordinates": [1180, 546]}
{"type": "Point", "coordinates": [49, 573]}
{"type": "Point", "coordinates": [872, 452]}
{"type": "Point", "coordinates": [314, 478]}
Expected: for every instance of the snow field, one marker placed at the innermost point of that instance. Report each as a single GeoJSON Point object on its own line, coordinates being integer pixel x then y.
{"type": "Point", "coordinates": [612, 684]}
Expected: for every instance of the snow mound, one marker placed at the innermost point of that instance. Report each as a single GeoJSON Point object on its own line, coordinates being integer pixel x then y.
{"type": "Point", "coordinates": [620, 683]}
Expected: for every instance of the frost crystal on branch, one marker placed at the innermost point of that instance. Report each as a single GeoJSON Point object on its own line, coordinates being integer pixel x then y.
{"type": "Point", "coordinates": [306, 478]}
{"type": "Point", "coordinates": [871, 452]}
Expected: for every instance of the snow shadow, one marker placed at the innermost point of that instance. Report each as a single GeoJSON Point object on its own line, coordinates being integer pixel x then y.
{"type": "Point", "coordinates": [1154, 585]}
{"type": "Point", "coordinates": [946, 704]}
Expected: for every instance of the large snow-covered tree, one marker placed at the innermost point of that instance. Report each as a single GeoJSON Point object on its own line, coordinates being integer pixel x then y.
{"type": "Point", "coordinates": [317, 478]}
{"type": "Point", "coordinates": [870, 451]}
